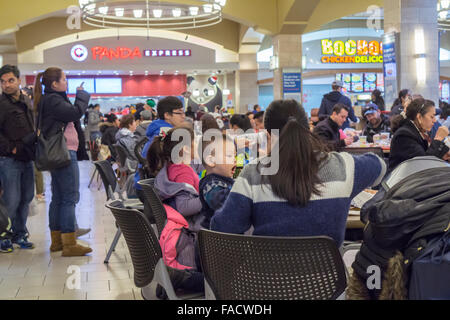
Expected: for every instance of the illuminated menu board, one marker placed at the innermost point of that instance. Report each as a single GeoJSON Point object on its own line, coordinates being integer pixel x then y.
{"type": "Point", "coordinates": [361, 82]}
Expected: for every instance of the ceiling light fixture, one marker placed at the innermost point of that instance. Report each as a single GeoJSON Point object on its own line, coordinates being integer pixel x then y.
{"type": "Point", "coordinates": [103, 10]}
{"type": "Point", "coordinates": [138, 13]}
{"type": "Point", "coordinates": [147, 14]}
{"type": "Point", "coordinates": [176, 12]}
{"type": "Point", "coordinates": [193, 11]}
{"type": "Point", "coordinates": [119, 12]}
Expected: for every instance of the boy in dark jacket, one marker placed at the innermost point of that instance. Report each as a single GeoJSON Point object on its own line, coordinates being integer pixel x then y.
{"type": "Point", "coordinates": [220, 164]}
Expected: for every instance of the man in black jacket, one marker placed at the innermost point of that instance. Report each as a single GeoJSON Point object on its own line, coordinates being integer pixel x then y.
{"type": "Point", "coordinates": [328, 129]}
{"type": "Point", "coordinates": [376, 122]}
{"type": "Point", "coordinates": [17, 138]}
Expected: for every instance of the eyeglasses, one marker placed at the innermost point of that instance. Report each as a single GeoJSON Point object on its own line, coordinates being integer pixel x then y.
{"type": "Point", "coordinates": [179, 113]}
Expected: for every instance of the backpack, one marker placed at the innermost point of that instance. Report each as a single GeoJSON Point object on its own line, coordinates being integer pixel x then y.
{"type": "Point", "coordinates": [5, 222]}
{"type": "Point", "coordinates": [430, 273]}
{"type": "Point", "coordinates": [177, 241]}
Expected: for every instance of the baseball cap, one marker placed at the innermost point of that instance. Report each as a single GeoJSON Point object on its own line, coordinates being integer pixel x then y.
{"type": "Point", "coordinates": [337, 83]}
{"type": "Point", "coordinates": [151, 103]}
{"type": "Point", "coordinates": [371, 108]}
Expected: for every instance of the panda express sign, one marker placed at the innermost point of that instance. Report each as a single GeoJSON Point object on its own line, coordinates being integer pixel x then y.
{"type": "Point", "coordinates": [124, 53]}
{"type": "Point", "coordinates": [352, 51]}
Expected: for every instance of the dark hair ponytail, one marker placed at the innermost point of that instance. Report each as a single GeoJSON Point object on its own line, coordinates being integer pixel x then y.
{"type": "Point", "coordinates": [160, 151]}
{"type": "Point", "coordinates": [300, 153]}
{"type": "Point", "coordinates": [45, 78]}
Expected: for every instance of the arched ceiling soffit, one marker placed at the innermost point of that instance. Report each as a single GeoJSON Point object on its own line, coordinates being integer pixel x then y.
{"type": "Point", "coordinates": [223, 35]}
{"type": "Point", "coordinates": [265, 16]}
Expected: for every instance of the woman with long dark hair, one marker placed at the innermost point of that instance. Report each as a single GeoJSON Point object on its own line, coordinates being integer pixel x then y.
{"type": "Point", "coordinates": [309, 194]}
{"type": "Point", "coordinates": [58, 113]}
{"type": "Point", "coordinates": [412, 139]}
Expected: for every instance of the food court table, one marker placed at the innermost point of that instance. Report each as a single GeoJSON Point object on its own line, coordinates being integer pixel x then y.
{"type": "Point", "coordinates": [354, 220]}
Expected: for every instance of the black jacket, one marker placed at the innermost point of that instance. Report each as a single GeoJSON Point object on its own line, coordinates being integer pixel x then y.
{"type": "Point", "coordinates": [410, 214]}
{"type": "Point", "coordinates": [407, 143]}
{"type": "Point", "coordinates": [370, 131]}
{"type": "Point", "coordinates": [330, 100]}
{"type": "Point", "coordinates": [109, 132]}
{"type": "Point", "coordinates": [17, 129]}
{"type": "Point", "coordinates": [396, 110]}
{"type": "Point", "coordinates": [328, 131]}
{"type": "Point", "coordinates": [216, 188]}
{"type": "Point", "coordinates": [57, 112]}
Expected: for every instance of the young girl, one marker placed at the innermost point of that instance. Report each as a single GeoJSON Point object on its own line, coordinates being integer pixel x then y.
{"type": "Point", "coordinates": [176, 181]}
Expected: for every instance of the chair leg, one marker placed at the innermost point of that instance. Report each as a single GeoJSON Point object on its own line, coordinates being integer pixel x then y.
{"type": "Point", "coordinates": [99, 183]}
{"type": "Point", "coordinates": [92, 177]}
{"type": "Point", "coordinates": [113, 245]}
{"type": "Point", "coordinates": [162, 277]}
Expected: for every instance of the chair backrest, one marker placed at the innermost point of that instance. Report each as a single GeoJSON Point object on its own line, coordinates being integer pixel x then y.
{"type": "Point", "coordinates": [108, 176]}
{"type": "Point", "coordinates": [138, 151]}
{"type": "Point", "coordinates": [155, 203]}
{"type": "Point", "coordinates": [141, 240]}
{"type": "Point", "coordinates": [377, 150]}
{"type": "Point", "coordinates": [239, 267]}
{"type": "Point", "coordinates": [121, 155]}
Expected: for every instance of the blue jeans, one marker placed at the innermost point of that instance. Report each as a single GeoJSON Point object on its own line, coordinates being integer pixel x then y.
{"type": "Point", "coordinates": [65, 196]}
{"type": "Point", "coordinates": [17, 180]}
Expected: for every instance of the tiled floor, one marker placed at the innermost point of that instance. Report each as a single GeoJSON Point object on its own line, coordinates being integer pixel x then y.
{"type": "Point", "coordinates": [39, 274]}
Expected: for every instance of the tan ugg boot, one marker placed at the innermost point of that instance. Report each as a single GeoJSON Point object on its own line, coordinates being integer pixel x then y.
{"type": "Point", "coordinates": [56, 241]}
{"type": "Point", "coordinates": [70, 246]}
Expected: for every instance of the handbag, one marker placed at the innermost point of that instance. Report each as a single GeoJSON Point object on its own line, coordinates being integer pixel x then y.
{"type": "Point", "coordinates": [430, 273]}
{"type": "Point", "coordinates": [52, 152]}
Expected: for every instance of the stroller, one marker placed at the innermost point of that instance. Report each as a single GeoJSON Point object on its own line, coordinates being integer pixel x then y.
{"type": "Point", "coordinates": [407, 222]}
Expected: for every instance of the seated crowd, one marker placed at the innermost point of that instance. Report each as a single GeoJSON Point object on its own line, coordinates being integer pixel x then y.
{"type": "Point", "coordinates": [302, 184]}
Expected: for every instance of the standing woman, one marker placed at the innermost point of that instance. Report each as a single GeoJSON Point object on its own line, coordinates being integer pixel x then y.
{"type": "Point", "coordinates": [57, 113]}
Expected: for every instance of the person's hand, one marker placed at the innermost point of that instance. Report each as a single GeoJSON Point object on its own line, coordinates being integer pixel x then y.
{"type": "Point", "coordinates": [442, 133]}
{"type": "Point", "coordinates": [348, 141]}
{"type": "Point", "coordinates": [446, 156]}
{"type": "Point", "coordinates": [80, 87]}
{"type": "Point", "coordinates": [14, 151]}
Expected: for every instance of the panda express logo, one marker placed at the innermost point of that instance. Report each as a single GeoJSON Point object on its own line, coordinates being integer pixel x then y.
{"type": "Point", "coordinates": [118, 53]}
{"type": "Point", "coordinates": [79, 53]}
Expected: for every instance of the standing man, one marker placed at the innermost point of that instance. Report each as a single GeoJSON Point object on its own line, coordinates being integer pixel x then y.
{"type": "Point", "coordinates": [94, 119]}
{"type": "Point", "coordinates": [17, 151]}
{"type": "Point", "coordinates": [334, 97]}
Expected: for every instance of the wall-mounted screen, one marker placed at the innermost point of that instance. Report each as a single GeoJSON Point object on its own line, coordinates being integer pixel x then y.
{"type": "Point", "coordinates": [108, 85]}
{"type": "Point", "coordinates": [74, 83]}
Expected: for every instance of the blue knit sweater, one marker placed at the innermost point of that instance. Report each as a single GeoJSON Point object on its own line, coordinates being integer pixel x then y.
{"type": "Point", "coordinates": [252, 202]}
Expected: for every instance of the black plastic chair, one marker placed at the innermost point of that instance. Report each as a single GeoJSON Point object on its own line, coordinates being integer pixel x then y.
{"type": "Point", "coordinates": [358, 151]}
{"type": "Point", "coordinates": [239, 267]}
{"type": "Point", "coordinates": [109, 180]}
{"type": "Point", "coordinates": [156, 206]}
{"type": "Point", "coordinates": [144, 250]}
{"type": "Point", "coordinates": [138, 151]}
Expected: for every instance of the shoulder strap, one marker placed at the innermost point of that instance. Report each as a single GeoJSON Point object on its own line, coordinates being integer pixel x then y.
{"type": "Point", "coordinates": [39, 121]}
